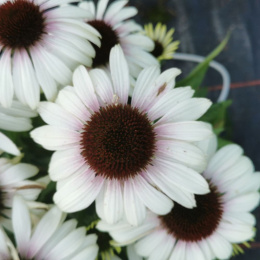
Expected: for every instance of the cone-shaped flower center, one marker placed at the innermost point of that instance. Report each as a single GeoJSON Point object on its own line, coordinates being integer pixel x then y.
{"type": "Point", "coordinates": [195, 224]}
{"type": "Point", "coordinates": [118, 142]}
{"type": "Point", "coordinates": [21, 24]}
{"type": "Point", "coordinates": [108, 41]}
{"type": "Point", "coordinates": [158, 49]}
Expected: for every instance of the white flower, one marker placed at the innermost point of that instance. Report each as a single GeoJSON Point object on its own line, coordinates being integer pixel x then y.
{"type": "Point", "coordinates": [41, 43]}
{"type": "Point", "coordinates": [208, 231]}
{"type": "Point", "coordinates": [16, 118]}
{"type": "Point", "coordinates": [52, 238]}
{"type": "Point", "coordinates": [112, 22]}
{"type": "Point", "coordinates": [14, 180]}
{"type": "Point", "coordinates": [123, 155]}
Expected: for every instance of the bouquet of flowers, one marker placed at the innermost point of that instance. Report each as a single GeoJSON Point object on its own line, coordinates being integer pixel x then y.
{"type": "Point", "coordinates": [105, 154]}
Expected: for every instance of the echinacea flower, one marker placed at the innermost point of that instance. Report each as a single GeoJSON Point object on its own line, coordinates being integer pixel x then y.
{"type": "Point", "coordinates": [16, 118]}
{"type": "Point", "coordinates": [14, 177]}
{"type": "Point", "coordinates": [112, 22]}
{"type": "Point", "coordinates": [51, 238]}
{"type": "Point", "coordinates": [221, 218]}
{"type": "Point", "coordinates": [125, 155]}
{"type": "Point", "coordinates": [163, 41]}
{"type": "Point", "coordinates": [41, 42]}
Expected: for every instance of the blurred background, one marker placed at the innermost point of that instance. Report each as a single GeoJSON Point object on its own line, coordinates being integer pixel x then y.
{"type": "Point", "coordinates": [200, 25]}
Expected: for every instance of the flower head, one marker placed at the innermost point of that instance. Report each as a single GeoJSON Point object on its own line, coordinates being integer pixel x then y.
{"type": "Point", "coordinates": [113, 24]}
{"type": "Point", "coordinates": [221, 218]}
{"type": "Point", "coordinates": [125, 154]}
{"type": "Point", "coordinates": [14, 177]}
{"type": "Point", "coordinates": [51, 238]}
{"type": "Point", "coordinates": [41, 43]}
{"type": "Point", "coordinates": [163, 41]}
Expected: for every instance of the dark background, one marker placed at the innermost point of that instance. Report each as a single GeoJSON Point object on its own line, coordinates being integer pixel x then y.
{"type": "Point", "coordinates": [200, 26]}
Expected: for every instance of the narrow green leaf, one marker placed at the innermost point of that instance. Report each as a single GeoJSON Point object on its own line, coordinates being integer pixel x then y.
{"type": "Point", "coordinates": [196, 76]}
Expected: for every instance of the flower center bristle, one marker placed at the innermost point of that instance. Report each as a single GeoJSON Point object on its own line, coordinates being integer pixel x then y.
{"type": "Point", "coordinates": [108, 41]}
{"type": "Point", "coordinates": [158, 49]}
{"type": "Point", "coordinates": [192, 225]}
{"type": "Point", "coordinates": [21, 24]}
{"type": "Point", "coordinates": [118, 142]}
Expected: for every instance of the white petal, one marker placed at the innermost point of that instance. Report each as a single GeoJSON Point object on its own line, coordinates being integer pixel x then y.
{"type": "Point", "coordinates": [46, 81]}
{"type": "Point", "coordinates": [15, 124]}
{"type": "Point", "coordinates": [143, 90]}
{"type": "Point", "coordinates": [194, 252]}
{"type": "Point", "coordinates": [119, 74]}
{"type": "Point", "coordinates": [17, 173]}
{"type": "Point", "coordinates": [113, 9]}
{"type": "Point", "coordinates": [113, 201]}
{"type": "Point", "coordinates": [101, 7]}
{"type": "Point", "coordinates": [182, 152]}
{"type": "Point", "coordinates": [102, 84]}
{"type": "Point", "coordinates": [59, 234]}
{"type": "Point", "coordinates": [188, 110]}
{"type": "Point", "coordinates": [84, 88]}
{"type": "Point", "coordinates": [146, 245]}
{"type": "Point", "coordinates": [182, 176]}
{"type": "Point", "coordinates": [6, 81]}
{"type": "Point", "coordinates": [220, 246]}
{"type": "Point", "coordinates": [177, 194]}
{"type": "Point", "coordinates": [68, 244]}
{"type": "Point", "coordinates": [21, 224]}
{"type": "Point", "coordinates": [124, 14]}
{"type": "Point", "coordinates": [134, 208]}
{"type": "Point", "coordinates": [246, 202]}
{"type": "Point", "coordinates": [153, 199]}
{"type": "Point", "coordinates": [69, 100]}
{"type": "Point", "coordinates": [78, 192]}
{"type": "Point", "coordinates": [7, 145]}
{"type": "Point", "coordinates": [179, 251]}
{"type": "Point", "coordinates": [165, 102]}
{"type": "Point", "coordinates": [44, 230]}
{"type": "Point", "coordinates": [54, 138]}
{"type": "Point", "coordinates": [55, 115]}
{"type": "Point", "coordinates": [163, 250]}
{"type": "Point", "coordinates": [55, 67]}
{"type": "Point", "coordinates": [223, 159]}
{"type": "Point", "coordinates": [186, 131]}
{"type": "Point", "coordinates": [236, 233]}
{"type": "Point", "coordinates": [25, 83]}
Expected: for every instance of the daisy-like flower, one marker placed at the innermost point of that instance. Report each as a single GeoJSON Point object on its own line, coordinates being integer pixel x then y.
{"type": "Point", "coordinates": [163, 41]}
{"type": "Point", "coordinates": [112, 22]}
{"type": "Point", "coordinates": [221, 218]}
{"type": "Point", "coordinates": [14, 180]}
{"type": "Point", "coordinates": [17, 117]}
{"type": "Point", "coordinates": [51, 238]}
{"type": "Point", "coordinates": [41, 43]}
{"type": "Point", "coordinates": [124, 154]}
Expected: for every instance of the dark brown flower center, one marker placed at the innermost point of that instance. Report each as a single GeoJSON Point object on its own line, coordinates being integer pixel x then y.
{"type": "Point", "coordinates": [108, 41]}
{"type": "Point", "coordinates": [158, 49]}
{"type": "Point", "coordinates": [195, 224]}
{"type": "Point", "coordinates": [118, 142]}
{"type": "Point", "coordinates": [21, 24]}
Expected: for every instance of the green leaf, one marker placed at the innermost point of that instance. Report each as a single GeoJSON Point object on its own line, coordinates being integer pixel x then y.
{"type": "Point", "coordinates": [216, 115]}
{"type": "Point", "coordinates": [223, 142]}
{"type": "Point", "coordinates": [196, 76]}
{"type": "Point", "coordinates": [47, 194]}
